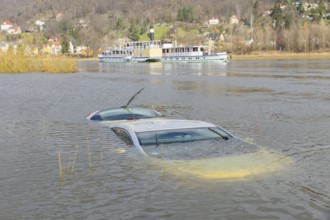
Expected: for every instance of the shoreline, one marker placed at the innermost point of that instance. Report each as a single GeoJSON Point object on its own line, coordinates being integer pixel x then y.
{"type": "Point", "coordinates": [281, 55]}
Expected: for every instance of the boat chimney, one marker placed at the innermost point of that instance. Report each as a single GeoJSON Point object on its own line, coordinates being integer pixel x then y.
{"type": "Point", "coordinates": [152, 33]}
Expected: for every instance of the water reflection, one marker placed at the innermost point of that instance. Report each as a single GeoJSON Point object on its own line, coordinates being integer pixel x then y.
{"type": "Point", "coordinates": [296, 69]}
{"type": "Point", "coordinates": [157, 68]}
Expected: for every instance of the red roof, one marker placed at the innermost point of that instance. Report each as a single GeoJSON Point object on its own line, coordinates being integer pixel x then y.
{"type": "Point", "coordinates": [7, 22]}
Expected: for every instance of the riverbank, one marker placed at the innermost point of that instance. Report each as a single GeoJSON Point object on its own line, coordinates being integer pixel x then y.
{"type": "Point", "coordinates": [271, 55]}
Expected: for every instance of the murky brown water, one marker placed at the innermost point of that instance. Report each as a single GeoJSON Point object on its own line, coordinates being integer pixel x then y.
{"type": "Point", "coordinates": [283, 105]}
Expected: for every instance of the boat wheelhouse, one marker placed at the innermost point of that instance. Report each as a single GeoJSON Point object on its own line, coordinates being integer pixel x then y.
{"type": "Point", "coordinates": [146, 51]}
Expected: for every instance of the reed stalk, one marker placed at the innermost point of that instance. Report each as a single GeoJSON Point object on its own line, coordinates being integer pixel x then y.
{"type": "Point", "coordinates": [74, 158]}
{"type": "Point", "coordinates": [60, 164]}
{"type": "Point", "coordinates": [17, 62]}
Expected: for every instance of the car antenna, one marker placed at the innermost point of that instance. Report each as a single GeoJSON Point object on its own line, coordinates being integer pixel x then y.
{"type": "Point", "coordinates": [131, 99]}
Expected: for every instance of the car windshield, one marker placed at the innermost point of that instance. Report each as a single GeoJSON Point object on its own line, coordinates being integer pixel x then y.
{"type": "Point", "coordinates": [181, 135]}
{"type": "Point", "coordinates": [209, 148]}
{"type": "Point", "coordinates": [127, 113]}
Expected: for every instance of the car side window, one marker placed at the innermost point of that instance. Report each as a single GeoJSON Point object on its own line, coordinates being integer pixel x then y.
{"type": "Point", "coordinates": [124, 135]}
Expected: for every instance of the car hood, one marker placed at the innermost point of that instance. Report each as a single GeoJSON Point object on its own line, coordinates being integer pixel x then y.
{"type": "Point", "coordinates": [229, 168]}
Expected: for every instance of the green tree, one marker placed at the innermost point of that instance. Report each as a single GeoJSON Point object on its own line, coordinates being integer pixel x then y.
{"type": "Point", "coordinates": [144, 27]}
{"type": "Point", "coordinates": [120, 24]}
{"type": "Point", "coordinates": [134, 32]}
{"type": "Point", "coordinates": [65, 44]}
{"type": "Point", "coordinates": [255, 8]}
{"type": "Point", "coordinates": [288, 21]}
{"type": "Point", "coordinates": [301, 8]}
{"type": "Point", "coordinates": [277, 16]}
{"type": "Point", "coordinates": [185, 14]}
{"type": "Point", "coordinates": [321, 9]}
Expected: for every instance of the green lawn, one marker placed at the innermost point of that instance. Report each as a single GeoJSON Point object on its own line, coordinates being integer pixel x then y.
{"type": "Point", "coordinates": [160, 31]}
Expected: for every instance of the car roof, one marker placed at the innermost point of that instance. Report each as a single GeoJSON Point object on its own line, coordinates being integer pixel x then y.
{"type": "Point", "coordinates": [123, 113]}
{"type": "Point", "coordinates": [162, 124]}
{"type": "Point", "coordinates": [128, 109]}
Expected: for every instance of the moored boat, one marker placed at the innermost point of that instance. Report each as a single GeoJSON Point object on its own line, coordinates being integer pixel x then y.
{"type": "Point", "coordinates": [191, 54]}
{"type": "Point", "coordinates": [155, 51]}
{"type": "Point", "coordinates": [117, 55]}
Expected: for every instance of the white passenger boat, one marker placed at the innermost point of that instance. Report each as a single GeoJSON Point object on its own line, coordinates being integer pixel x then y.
{"type": "Point", "coordinates": [117, 55]}
{"type": "Point", "coordinates": [192, 54]}
{"type": "Point", "coordinates": [155, 50]}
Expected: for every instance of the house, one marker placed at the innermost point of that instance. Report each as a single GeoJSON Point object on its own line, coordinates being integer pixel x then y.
{"type": "Point", "coordinates": [280, 5]}
{"type": "Point", "coordinates": [82, 51]}
{"type": "Point", "coordinates": [4, 46]}
{"type": "Point", "coordinates": [14, 30]}
{"type": "Point", "coordinates": [310, 6]}
{"type": "Point", "coordinates": [40, 24]}
{"type": "Point", "coordinates": [6, 25]}
{"type": "Point", "coordinates": [52, 48]}
{"type": "Point", "coordinates": [82, 24]}
{"type": "Point", "coordinates": [213, 21]}
{"type": "Point", "coordinates": [234, 19]}
{"type": "Point", "coordinates": [266, 13]}
{"type": "Point", "coordinates": [59, 16]}
{"type": "Point", "coordinates": [52, 39]}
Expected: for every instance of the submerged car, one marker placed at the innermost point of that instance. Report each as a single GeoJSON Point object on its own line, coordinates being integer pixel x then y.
{"type": "Point", "coordinates": [123, 114]}
{"type": "Point", "coordinates": [198, 148]}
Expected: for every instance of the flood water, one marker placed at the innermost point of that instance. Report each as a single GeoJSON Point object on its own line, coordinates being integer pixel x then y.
{"type": "Point", "coordinates": [283, 105]}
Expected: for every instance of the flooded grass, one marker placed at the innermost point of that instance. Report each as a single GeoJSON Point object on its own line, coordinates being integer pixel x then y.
{"type": "Point", "coordinates": [19, 63]}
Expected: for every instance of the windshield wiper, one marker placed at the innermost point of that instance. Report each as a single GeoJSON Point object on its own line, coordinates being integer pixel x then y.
{"type": "Point", "coordinates": [225, 137]}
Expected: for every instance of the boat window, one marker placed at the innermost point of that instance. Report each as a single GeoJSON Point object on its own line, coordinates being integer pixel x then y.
{"type": "Point", "coordinates": [181, 135]}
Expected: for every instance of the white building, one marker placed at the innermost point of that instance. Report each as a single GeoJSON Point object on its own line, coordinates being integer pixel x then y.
{"type": "Point", "coordinates": [6, 25]}
{"type": "Point", "coordinates": [40, 24]}
{"type": "Point", "coordinates": [213, 21]}
{"type": "Point", "coordinates": [234, 19]}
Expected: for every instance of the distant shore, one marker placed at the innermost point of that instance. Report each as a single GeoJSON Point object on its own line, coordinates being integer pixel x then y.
{"type": "Point", "coordinates": [271, 55]}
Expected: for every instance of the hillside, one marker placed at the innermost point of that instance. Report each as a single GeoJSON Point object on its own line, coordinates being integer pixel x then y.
{"type": "Point", "coordinates": [99, 23]}
{"type": "Point", "coordinates": [106, 20]}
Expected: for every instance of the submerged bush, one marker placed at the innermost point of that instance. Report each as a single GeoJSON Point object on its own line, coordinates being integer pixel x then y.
{"type": "Point", "coordinates": [11, 62]}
